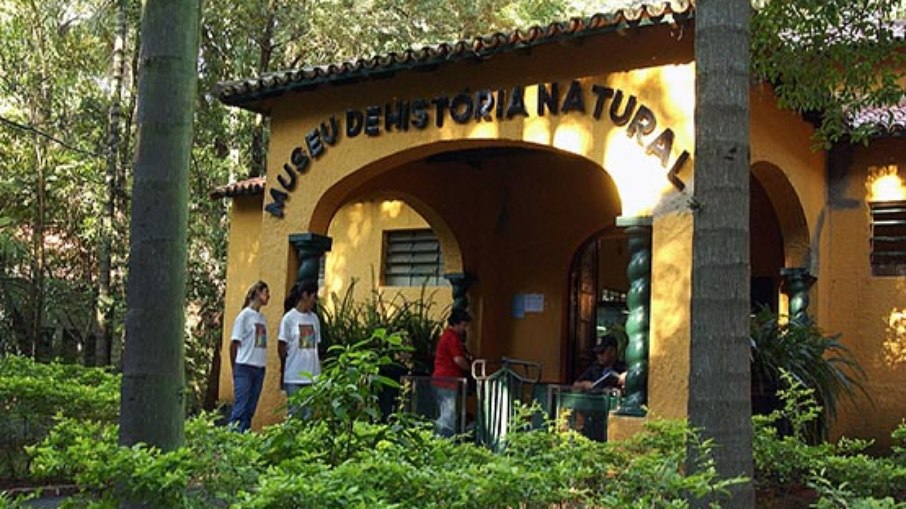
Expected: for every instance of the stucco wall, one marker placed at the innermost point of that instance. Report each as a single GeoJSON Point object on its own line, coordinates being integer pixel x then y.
{"type": "Point", "coordinates": [868, 311]}
{"type": "Point", "coordinates": [357, 232]}
{"type": "Point", "coordinates": [243, 250]}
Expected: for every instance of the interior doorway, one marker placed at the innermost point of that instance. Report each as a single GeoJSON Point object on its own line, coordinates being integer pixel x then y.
{"type": "Point", "coordinates": [766, 249]}
{"type": "Point", "coordinates": [597, 298]}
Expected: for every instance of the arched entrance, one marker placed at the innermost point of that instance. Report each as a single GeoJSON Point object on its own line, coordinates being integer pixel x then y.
{"type": "Point", "coordinates": [778, 235]}
{"type": "Point", "coordinates": [511, 217]}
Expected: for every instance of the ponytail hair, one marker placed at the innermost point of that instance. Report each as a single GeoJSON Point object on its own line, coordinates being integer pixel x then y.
{"type": "Point", "coordinates": [253, 290]}
{"type": "Point", "coordinates": [306, 286]}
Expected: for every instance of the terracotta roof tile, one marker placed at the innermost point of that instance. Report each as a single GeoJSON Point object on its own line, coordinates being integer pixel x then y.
{"type": "Point", "coordinates": [247, 92]}
{"type": "Point", "coordinates": [245, 187]}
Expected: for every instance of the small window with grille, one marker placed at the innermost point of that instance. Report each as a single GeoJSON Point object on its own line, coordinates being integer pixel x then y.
{"type": "Point", "coordinates": [888, 238]}
{"type": "Point", "coordinates": [413, 258]}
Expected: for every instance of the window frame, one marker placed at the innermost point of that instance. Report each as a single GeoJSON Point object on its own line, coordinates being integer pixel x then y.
{"type": "Point", "coordinates": [419, 245]}
{"type": "Point", "coordinates": [887, 240]}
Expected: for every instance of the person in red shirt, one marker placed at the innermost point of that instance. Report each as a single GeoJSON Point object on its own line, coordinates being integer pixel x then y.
{"type": "Point", "coordinates": [452, 361]}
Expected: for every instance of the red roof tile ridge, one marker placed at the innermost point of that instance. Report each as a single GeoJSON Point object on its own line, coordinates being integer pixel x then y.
{"type": "Point", "coordinates": [246, 187]}
{"type": "Point", "coordinates": [247, 91]}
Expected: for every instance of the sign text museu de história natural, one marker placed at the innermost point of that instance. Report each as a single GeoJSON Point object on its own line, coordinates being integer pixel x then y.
{"type": "Point", "coordinates": [482, 106]}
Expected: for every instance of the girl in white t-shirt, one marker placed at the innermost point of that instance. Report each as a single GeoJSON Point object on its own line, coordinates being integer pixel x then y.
{"type": "Point", "coordinates": [300, 333]}
{"type": "Point", "coordinates": [248, 355]}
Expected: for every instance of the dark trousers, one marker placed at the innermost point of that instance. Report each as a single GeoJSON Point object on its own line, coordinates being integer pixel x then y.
{"type": "Point", "coordinates": [247, 383]}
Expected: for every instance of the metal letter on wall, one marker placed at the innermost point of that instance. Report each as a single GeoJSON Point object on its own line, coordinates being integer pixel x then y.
{"type": "Point", "coordinates": [638, 323]}
{"type": "Point", "coordinates": [310, 247]}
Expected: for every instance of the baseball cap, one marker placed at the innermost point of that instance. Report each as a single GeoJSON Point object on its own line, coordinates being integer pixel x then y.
{"type": "Point", "coordinates": [604, 342]}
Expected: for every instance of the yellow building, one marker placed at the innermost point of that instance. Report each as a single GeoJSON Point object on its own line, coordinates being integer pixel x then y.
{"type": "Point", "coordinates": [525, 163]}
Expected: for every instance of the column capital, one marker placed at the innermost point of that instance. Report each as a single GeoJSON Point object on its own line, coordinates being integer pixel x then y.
{"type": "Point", "coordinates": [460, 283]}
{"type": "Point", "coordinates": [796, 275]}
{"type": "Point", "coordinates": [634, 221]}
{"type": "Point", "coordinates": [311, 241]}
{"type": "Point", "coordinates": [310, 247]}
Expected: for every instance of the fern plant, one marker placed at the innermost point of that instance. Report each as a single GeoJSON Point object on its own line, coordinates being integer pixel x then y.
{"type": "Point", "coordinates": [818, 361]}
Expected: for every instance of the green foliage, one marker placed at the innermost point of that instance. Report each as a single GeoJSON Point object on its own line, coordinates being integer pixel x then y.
{"type": "Point", "coordinates": [841, 497]}
{"type": "Point", "coordinates": [833, 58]}
{"type": "Point", "coordinates": [899, 442]}
{"type": "Point", "coordinates": [33, 395]}
{"type": "Point", "coordinates": [820, 363]}
{"type": "Point", "coordinates": [346, 321]}
{"type": "Point", "coordinates": [346, 459]}
{"type": "Point", "coordinates": [208, 472]}
{"type": "Point", "coordinates": [52, 64]}
{"type": "Point", "coordinates": [841, 469]}
{"type": "Point", "coordinates": [346, 392]}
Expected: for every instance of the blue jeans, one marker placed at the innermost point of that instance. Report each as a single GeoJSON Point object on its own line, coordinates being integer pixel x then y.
{"type": "Point", "coordinates": [445, 425]}
{"type": "Point", "coordinates": [298, 411]}
{"type": "Point", "coordinates": [247, 383]}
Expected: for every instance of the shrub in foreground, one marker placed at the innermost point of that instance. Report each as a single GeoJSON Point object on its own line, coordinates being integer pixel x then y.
{"type": "Point", "coordinates": [34, 394]}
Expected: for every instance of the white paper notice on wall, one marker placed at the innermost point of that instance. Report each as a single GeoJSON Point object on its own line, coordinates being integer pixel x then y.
{"type": "Point", "coordinates": [534, 302]}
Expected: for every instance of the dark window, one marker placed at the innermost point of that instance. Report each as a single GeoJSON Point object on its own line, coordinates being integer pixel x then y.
{"type": "Point", "coordinates": [413, 258]}
{"type": "Point", "coordinates": [888, 238]}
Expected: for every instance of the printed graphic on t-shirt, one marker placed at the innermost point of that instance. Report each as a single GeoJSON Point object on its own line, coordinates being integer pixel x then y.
{"type": "Point", "coordinates": [260, 335]}
{"type": "Point", "coordinates": [306, 335]}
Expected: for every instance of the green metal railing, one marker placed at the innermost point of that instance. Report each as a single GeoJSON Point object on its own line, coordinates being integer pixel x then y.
{"type": "Point", "coordinates": [586, 411]}
{"type": "Point", "coordinates": [496, 395]}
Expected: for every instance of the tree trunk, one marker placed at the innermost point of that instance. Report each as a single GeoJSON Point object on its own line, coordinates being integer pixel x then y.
{"type": "Point", "coordinates": [39, 349]}
{"type": "Point", "coordinates": [122, 203]}
{"type": "Point", "coordinates": [104, 305]}
{"type": "Point", "coordinates": [719, 387]}
{"type": "Point", "coordinates": [39, 112]}
{"type": "Point", "coordinates": [152, 408]}
{"type": "Point", "coordinates": [259, 148]}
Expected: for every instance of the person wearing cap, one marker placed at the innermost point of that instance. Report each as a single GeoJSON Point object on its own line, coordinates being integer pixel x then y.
{"type": "Point", "coordinates": [452, 360]}
{"type": "Point", "coordinates": [606, 372]}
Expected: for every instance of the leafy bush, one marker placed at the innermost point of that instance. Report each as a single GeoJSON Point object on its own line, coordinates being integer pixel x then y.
{"type": "Point", "coordinates": [33, 394]}
{"type": "Point", "coordinates": [840, 469]}
{"type": "Point", "coordinates": [819, 362]}
{"type": "Point", "coordinates": [215, 464]}
{"type": "Point", "coordinates": [346, 458]}
{"type": "Point", "coordinates": [346, 321]}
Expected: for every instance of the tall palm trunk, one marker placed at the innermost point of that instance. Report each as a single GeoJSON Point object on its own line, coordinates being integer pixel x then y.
{"type": "Point", "coordinates": [719, 387]}
{"type": "Point", "coordinates": [103, 340]}
{"type": "Point", "coordinates": [152, 408]}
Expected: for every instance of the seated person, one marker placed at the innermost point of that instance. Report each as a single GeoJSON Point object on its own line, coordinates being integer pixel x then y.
{"type": "Point", "coordinates": [606, 372]}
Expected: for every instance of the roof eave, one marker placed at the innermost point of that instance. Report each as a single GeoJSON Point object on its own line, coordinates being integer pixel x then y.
{"type": "Point", "coordinates": [256, 100]}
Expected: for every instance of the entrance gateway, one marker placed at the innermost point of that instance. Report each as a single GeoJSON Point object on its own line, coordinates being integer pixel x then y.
{"type": "Point", "coordinates": [544, 180]}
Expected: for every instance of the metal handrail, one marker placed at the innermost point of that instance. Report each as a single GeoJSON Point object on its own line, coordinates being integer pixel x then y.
{"type": "Point", "coordinates": [531, 371]}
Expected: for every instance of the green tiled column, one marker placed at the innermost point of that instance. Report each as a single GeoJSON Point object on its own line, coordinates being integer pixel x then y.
{"type": "Point", "coordinates": [310, 247]}
{"type": "Point", "coordinates": [796, 284]}
{"type": "Point", "coordinates": [638, 302]}
{"type": "Point", "coordinates": [460, 283]}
